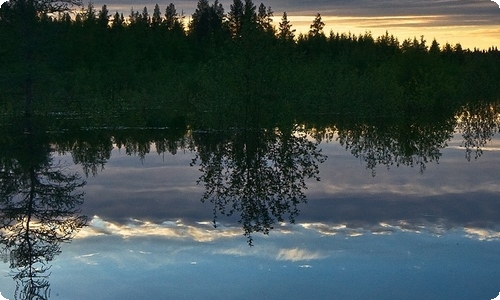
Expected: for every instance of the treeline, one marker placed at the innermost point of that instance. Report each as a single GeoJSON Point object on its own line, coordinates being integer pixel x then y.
{"type": "Point", "coordinates": [238, 63]}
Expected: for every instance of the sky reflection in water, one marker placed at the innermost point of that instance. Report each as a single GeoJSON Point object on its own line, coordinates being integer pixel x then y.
{"type": "Point", "coordinates": [399, 234]}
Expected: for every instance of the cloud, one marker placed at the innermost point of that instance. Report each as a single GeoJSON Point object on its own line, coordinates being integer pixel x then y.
{"type": "Point", "coordinates": [167, 230]}
{"type": "Point", "coordinates": [296, 254]}
{"type": "Point", "coordinates": [333, 229]}
{"type": "Point", "coordinates": [88, 259]}
{"type": "Point", "coordinates": [465, 21]}
{"type": "Point", "coordinates": [388, 7]}
{"type": "Point", "coordinates": [87, 255]}
{"type": "Point", "coordinates": [482, 234]}
{"type": "Point", "coordinates": [437, 228]}
{"type": "Point", "coordinates": [477, 10]}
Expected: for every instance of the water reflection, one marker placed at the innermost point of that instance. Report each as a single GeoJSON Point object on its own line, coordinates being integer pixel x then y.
{"type": "Point", "coordinates": [91, 147]}
{"type": "Point", "coordinates": [255, 176]}
{"type": "Point", "coordinates": [258, 174]}
{"type": "Point", "coordinates": [477, 122]}
{"type": "Point", "coordinates": [39, 208]}
{"type": "Point", "coordinates": [413, 143]}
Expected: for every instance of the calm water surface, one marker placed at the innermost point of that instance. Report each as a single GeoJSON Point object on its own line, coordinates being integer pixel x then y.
{"type": "Point", "coordinates": [386, 220]}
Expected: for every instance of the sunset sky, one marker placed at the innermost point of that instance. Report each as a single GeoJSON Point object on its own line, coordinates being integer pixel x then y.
{"type": "Point", "coordinates": [472, 23]}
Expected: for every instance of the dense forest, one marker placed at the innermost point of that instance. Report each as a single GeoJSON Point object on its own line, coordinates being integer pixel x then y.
{"type": "Point", "coordinates": [56, 58]}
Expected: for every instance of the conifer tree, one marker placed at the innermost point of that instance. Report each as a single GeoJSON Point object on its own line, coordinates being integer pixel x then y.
{"type": "Point", "coordinates": [264, 18]}
{"type": "Point", "coordinates": [206, 20]}
{"type": "Point", "coordinates": [156, 20]}
{"type": "Point", "coordinates": [118, 20]}
{"type": "Point", "coordinates": [317, 26]}
{"type": "Point", "coordinates": [249, 14]}
{"type": "Point", "coordinates": [133, 18]}
{"type": "Point", "coordinates": [171, 17]}
{"type": "Point", "coordinates": [235, 17]}
{"type": "Point", "coordinates": [198, 27]}
{"type": "Point", "coordinates": [103, 17]}
{"type": "Point", "coordinates": [434, 49]}
{"type": "Point", "coordinates": [144, 17]}
{"type": "Point", "coordinates": [285, 31]}
{"type": "Point", "coordinates": [89, 16]}
{"type": "Point", "coordinates": [216, 16]}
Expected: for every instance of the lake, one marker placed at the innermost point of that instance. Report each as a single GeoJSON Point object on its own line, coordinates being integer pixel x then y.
{"type": "Point", "coordinates": [342, 209]}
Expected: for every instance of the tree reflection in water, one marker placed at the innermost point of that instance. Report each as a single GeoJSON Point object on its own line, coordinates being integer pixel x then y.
{"type": "Point", "coordinates": [413, 143]}
{"type": "Point", "coordinates": [38, 209]}
{"type": "Point", "coordinates": [478, 122]}
{"type": "Point", "coordinates": [260, 174]}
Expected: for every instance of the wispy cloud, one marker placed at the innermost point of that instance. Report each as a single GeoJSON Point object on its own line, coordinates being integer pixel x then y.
{"type": "Point", "coordinates": [296, 254]}
{"type": "Point", "coordinates": [482, 234]}
{"type": "Point", "coordinates": [88, 255]}
{"type": "Point", "coordinates": [354, 228]}
{"type": "Point", "coordinates": [168, 230]}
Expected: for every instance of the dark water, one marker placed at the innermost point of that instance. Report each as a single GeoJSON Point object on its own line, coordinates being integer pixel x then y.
{"type": "Point", "coordinates": [340, 210]}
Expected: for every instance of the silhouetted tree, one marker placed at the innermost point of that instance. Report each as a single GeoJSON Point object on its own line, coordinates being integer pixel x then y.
{"type": "Point", "coordinates": [249, 21]}
{"type": "Point", "coordinates": [285, 31]}
{"type": "Point", "coordinates": [172, 19]}
{"type": "Point", "coordinates": [206, 20]}
{"type": "Point", "coordinates": [144, 17]}
{"type": "Point", "coordinates": [235, 17]}
{"type": "Point", "coordinates": [156, 20]}
{"type": "Point", "coordinates": [317, 26]}
{"type": "Point", "coordinates": [265, 18]}
{"type": "Point", "coordinates": [434, 49]}
{"type": "Point", "coordinates": [118, 21]}
{"type": "Point", "coordinates": [103, 17]}
{"type": "Point", "coordinates": [89, 16]}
